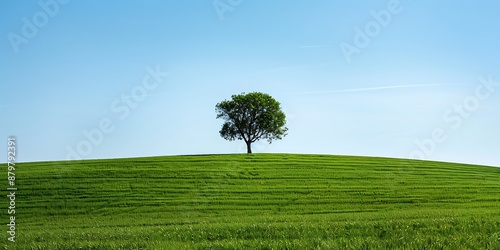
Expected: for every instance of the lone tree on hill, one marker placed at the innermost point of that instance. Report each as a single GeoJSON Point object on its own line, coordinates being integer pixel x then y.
{"type": "Point", "coordinates": [251, 117]}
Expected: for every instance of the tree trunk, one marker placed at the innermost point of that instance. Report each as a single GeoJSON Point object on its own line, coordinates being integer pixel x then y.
{"type": "Point", "coordinates": [249, 147]}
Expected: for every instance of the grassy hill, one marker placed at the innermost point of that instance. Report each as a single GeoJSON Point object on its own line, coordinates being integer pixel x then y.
{"type": "Point", "coordinates": [260, 201]}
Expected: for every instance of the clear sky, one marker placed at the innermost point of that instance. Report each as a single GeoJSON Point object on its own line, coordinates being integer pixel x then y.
{"type": "Point", "coordinates": [380, 78]}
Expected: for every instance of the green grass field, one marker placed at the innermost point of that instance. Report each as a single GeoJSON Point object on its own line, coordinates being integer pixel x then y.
{"type": "Point", "coordinates": [260, 201]}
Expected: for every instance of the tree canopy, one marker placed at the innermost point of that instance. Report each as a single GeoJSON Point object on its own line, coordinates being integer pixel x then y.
{"type": "Point", "coordinates": [251, 117]}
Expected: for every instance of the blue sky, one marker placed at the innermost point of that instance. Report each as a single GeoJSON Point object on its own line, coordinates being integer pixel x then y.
{"type": "Point", "coordinates": [411, 88]}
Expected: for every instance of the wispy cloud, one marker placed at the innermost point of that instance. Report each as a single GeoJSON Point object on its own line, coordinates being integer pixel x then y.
{"type": "Point", "coordinates": [295, 67]}
{"type": "Point", "coordinates": [384, 87]}
{"type": "Point", "coordinates": [314, 46]}
{"type": "Point", "coordinates": [274, 69]}
{"type": "Point", "coordinates": [371, 88]}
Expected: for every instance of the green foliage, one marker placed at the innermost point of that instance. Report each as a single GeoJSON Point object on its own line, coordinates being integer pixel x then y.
{"type": "Point", "coordinates": [251, 117]}
{"type": "Point", "coordinates": [260, 201]}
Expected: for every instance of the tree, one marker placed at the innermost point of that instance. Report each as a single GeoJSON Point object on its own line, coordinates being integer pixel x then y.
{"type": "Point", "coordinates": [251, 117]}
